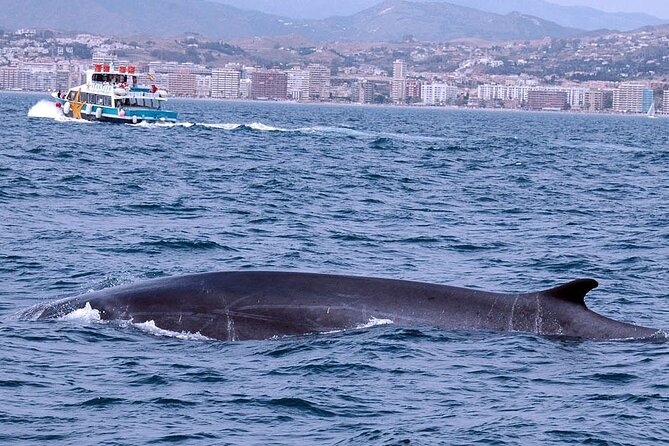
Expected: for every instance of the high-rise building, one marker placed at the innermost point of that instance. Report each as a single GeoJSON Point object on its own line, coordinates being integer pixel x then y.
{"type": "Point", "coordinates": [182, 83]}
{"type": "Point", "coordinates": [493, 92]}
{"type": "Point", "coordinates": [398, 84]}
{"type": "Point", "coordinates": [365, 92]}
{"type": "Point", "coordinates": [438, 93]}
{"type": "Point", "coordinates": [628, 98]}
{"type": "Point", "coordinates": [547, 99]}
{"type": "Point", "coordinates": [225, 83]}
{"type": "Point", "coordinates": [412, 89]}
{"type": "Point", "coordinates": [11, 78]}
{"type": "Point", "coordinates": [665, 101]}
{"type": "Point", "coordinates": [594, 100]}
{"type": "Point", "coordinates": [298, 84]}
{"type": "Point", "coordinates": [202, 86]}
{"type": "Point", "coordinates": [268, 84]}
{"type": "Point", "coordinates": [245, 88]}
{"type": "Point", "coordinates": [647, 100]}
{"type": "Point", "coordinates": [319, 81]}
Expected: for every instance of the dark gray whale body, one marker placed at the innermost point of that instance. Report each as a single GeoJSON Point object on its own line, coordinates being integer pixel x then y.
{"type": "Point", "coordinates": [262, 305]}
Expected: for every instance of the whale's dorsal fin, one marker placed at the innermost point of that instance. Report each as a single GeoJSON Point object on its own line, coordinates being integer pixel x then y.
{"type": "Point", "coordinates": [573, 291]}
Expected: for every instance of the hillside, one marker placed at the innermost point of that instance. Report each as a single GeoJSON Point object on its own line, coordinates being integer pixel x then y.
{"type": "Point", "coordinates": [393, 19]}
{"type": "Point", "coordinates": [390, 20]}
{"type": "Point", "coordinates": [570, 16]}
{"type": "Point", "coordinates": [154, 17]}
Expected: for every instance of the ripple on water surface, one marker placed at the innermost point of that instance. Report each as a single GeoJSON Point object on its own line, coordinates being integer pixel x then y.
{"type": "Point", "coordinates": [509, 202]}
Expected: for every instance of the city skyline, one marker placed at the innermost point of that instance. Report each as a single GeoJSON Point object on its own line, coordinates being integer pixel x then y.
{"type": "Point", "coordinates": [578, 73]}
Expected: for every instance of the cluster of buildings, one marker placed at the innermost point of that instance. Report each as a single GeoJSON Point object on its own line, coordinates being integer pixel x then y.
{"type": "Point", "coordinates": [312, 82]}
{"type": "Point", "coordinates": [627, 97]}
{"type": "Point", "coordinates": [315, 82]}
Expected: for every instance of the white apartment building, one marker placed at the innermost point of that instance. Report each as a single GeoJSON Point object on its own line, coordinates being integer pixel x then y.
{"type": "Point", "coordinates": [319, 81]}
{"type": "Point", "coordinates": [298, 84]}
{"type": "Point", "coordinates": [436, 93]}
{"type": "Point", "coordinates": [225, 83]}
{"type": "Point", "coordinates": [202, 86]}
{"type": "Point", "coordinates": [489, 92]}
{"type": "Point", "coordinates": [245, 88]}
{"type": "Point", "coordinates": [398, 84]}
{"type": "Point", "coordinates": [628, 98]}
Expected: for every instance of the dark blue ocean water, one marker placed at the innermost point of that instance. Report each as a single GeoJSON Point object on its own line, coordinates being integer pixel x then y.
{"type": "Point", "coordinates": [508, 202]}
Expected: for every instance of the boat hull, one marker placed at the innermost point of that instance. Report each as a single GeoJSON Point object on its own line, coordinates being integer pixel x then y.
{"type": "Point", "coordinates": [91, 112]}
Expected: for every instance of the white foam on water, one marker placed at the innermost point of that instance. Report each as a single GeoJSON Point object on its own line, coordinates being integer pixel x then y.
{"type": "Point", "coordinates": [168, 125]}
{"type": "Point", "coordinates": [48, 109]}
{"type": "Point", "coordinates": [223, 126]}
{"type": "Point", "coordinates": [151, 328]}
{"type": "Point", "coordinates": [258, 126]}
{"type": "Point", "coordinates": [266, 128]}
{"type": "Point", "coordinates": [319, 129]}
{"type": "Point", "coordinates": [86, 315]}
{"type": "Point", "coordinates": [45, 109]}
{"type": "Point", "coordinates": [185, 125]}
{"type": "Point", "coordinates": [373, 322]}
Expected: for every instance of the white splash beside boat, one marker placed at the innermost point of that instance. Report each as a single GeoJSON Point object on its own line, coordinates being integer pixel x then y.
{"type": "Point", "coordinates": [114, 95]}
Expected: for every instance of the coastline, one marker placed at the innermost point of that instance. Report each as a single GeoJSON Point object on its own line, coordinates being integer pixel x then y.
{"type": "Point", "coordinates": [47, 95]}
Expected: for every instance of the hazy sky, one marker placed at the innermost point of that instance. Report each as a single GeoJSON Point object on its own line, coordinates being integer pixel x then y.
{"type": "Point", "coordinates": [658, 8]}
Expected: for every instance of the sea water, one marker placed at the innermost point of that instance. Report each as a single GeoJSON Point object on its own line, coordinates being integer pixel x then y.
{"type": "Point", "coordinates": [497, 201]}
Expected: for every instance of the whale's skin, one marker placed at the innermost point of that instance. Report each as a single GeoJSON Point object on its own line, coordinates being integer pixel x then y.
{"type": "Point", "coordinates": [261, 305]}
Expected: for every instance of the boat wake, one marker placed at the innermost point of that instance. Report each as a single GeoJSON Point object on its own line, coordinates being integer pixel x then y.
{"type": "Point", "coordinates": [313, 130]}
{"type": "Point", "coordinates": [47, 109]}
{"type": "Point", "coordinates": [253, 126]}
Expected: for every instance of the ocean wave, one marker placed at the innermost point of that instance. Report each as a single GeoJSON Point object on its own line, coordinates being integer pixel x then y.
{"type": "Point", "coordinates": [185, 244]}
{"type": "Point", "coordinates": [318, 130]}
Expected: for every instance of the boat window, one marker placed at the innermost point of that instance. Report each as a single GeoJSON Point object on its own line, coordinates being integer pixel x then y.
{"type": "Point", "coordinates": [141, 102]}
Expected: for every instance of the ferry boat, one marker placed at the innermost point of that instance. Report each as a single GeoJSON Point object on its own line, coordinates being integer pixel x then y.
{"type": "Point", "coordinates": [114, 95]}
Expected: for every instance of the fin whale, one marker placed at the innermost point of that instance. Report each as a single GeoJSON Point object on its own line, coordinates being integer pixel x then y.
{"type": "Point", "coordinates": [261, 305]}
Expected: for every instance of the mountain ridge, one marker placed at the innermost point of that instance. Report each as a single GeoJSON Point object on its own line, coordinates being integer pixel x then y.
{"type": "Point", "coordinates": [394, 19]}
{"type": "Point", "coordinates": [581, 17]}
{"type": "Point", "coordinates": [163, 18]}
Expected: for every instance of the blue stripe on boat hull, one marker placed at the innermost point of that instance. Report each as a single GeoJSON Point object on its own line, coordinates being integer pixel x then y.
{"type": "Point", "coordinates": [111, 114]}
